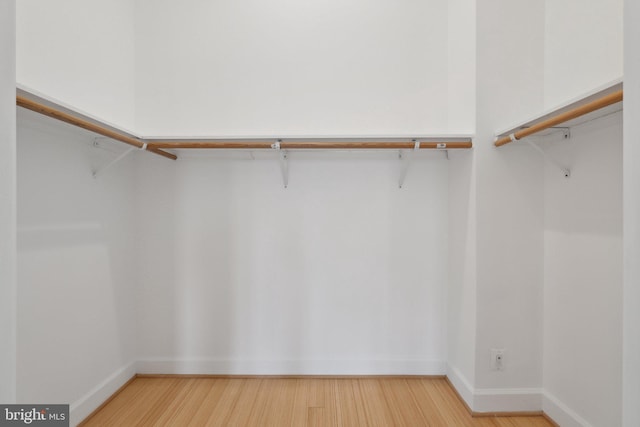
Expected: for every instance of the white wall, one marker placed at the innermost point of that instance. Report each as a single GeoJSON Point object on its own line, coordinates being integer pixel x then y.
{"type": "Point", "coordinates": [496, 220]}
{"type": "Point", "coordinates": [359, 67]}
{"type": "Point", "coordinates": [631, 212]}
{"type": "Point", "coordinates": [461, 287]}
{"type": "Point", "coordinates": [583, 47]}
{"type": "Point", "coordinates": [512, 245]}
{"type": "Point", "coordinates": [76, 266]}
{"type": "Point", "coordinates": [341, 273]}
{"type": "Point", "coordinates": [81, 53]}
{"type": "Point", "coordinates": [225, 68]}
{"type": "Point", "coordinates": [462, 66]}
{"type": "Point", "coordinates": [510, 207]}
{"type": "Point", "coordinates": [7, 202]}
{"type": "Point", "coordinates": [583, 274]}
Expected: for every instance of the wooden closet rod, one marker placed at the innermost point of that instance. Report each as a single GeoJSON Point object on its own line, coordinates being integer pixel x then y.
{"type": "Point", "coordinates": [95, 128]}
{"type": "Point", "coordinates": [597, 104]}
{"type": "Point", "coordinates": [309, 145]}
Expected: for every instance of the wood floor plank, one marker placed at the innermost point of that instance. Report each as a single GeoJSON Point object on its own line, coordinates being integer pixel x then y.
{"type": "Point", "coordinates": [244, 405]}
{"type": "Point", "coordinates": [302, 402]}
{"type": "Point", "coordinates": [317, 397]}
{"type": "Point", "coordinates": [174, 401]}
{"type": "Point", "coordinates": [327, 392]}
{"type": "Point", "coordinates": [274, 403]}
{"type": "Point", "coordinates": [218, 403]}
{"type": "Point", "coordinates": [183, 404]}
{"type": "Point", "coordinates": [376, 409]}
{"type": "Point", "coordinates": [229, 409]}
{"type": "Point", "coordinates": [193, 401]}
{"type": "Point", "coordinates": [486, 422]}
{"type": "Point", "coordinates": [159, 404]}
{"type": "Point", "coordinates": [359, 401]}
{"type": "Point", "coordinates": [117, 408]}
{"type": "Point", "coordinates": [149, 392]}
{"type": "Point", "coordinates": [453, 409]}
{"type": "Point", "coordinates": [399, 400]}
{"type": "Point", "coordinates": [345, 403]}
{"type": "Point", "coordinates": [317, 417]}
{"type": "Point", "coordinates": [434, 410]}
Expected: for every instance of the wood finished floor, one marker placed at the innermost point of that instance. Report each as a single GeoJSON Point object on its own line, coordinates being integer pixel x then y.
{"type": "Point", "coordinates": [293, 402]}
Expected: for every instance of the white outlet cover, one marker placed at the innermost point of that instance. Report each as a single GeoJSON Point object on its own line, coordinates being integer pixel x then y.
{"type": "Point", "coordinates": [498, 359]}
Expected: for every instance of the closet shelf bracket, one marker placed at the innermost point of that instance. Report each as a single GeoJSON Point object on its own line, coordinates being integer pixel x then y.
{"type": "Point", "coordinates": [102, 170]}
{"type": "Point", "coordinates": [407, 162]}
{"type": "Point", "coordinates": [284, 165]}
{"type": "Point", "coordinates": [124, 154]}
{"type": "Point", "coordinates": [565, 171]}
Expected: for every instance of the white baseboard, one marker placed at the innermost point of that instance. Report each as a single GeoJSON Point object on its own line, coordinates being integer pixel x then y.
{"type": "Point", "coordinates": [514, 400]}
{"type": "Point", "coordinates": [495, 400]}
{"type": "Point", "coordinates": [561, 413]}
{"type": "Point", "coordinates": [507, 400]}
{"type": "Point", "coordinates": [83, 407]}
{"type": "Point", "coordinates": [461, 384]}
{"type": "Point", "coordinates": [291, 367]}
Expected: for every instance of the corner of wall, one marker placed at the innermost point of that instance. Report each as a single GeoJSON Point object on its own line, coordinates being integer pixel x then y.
{"type": "Point", "coordinates": [461, 385]}
{"type": "Point", "coordinates": [561, 413]}
{"type": "Point", "coordinates": [100, 394]}
{"type": "Point", "coordinates": [480, 401]}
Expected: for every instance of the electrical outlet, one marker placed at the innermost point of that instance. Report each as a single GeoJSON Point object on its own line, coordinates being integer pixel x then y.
{"type": "Point", "coordinates": [497, 359]}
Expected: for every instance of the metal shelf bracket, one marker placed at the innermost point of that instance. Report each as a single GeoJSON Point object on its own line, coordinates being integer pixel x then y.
{"type": "Point", "coordinates": [124, 154]}
{"type": "Point", "coordinates": [284, 165]}
{"type": "Point", "coordinates": [102, 170]}
{"type": "Point", "coordinates": [565, 171]}
{"type": "Point", "coordinates": [407, 162]}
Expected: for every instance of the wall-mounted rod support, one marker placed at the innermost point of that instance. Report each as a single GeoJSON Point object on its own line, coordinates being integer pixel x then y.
{"type": "Point", "coordinates": [407, 162]}
{"type": "Point", "coordinates": [566, 131]}
{"type": "Point", "coordinates": [113, 162]}
{"type": "Point", "coordinates": [84, 124]}
{"type": "Point", "coordinates": [293, 145]}
{"type": "Point", "coordinates": [599, 103]}
{"type": "Point", "coordinates": [565, 171]}
{"type": "Point", "coordinates": [284, 166]}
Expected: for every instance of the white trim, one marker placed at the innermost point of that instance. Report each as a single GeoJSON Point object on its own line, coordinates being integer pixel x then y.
{"type": "Point", "coordinates": [514, 400]}
{"type": "Point", "coordinates": [561, 413]}
{"type": "Point", "coordinates": [507, 400]}
{"type": "Point", "coordinates": [507, 391]}
{"type": "Point", "coordinates": [290, 367]}
{"type": "Point", "coordinates": [495, 399]}
{"type": "Point", "coordinates": [461, 384]}
{"type": "Point", "coordinates": [83, 407]}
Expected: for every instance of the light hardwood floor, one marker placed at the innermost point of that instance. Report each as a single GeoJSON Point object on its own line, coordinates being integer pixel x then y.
{"type": "Point", "coordinates": [294, 402]}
